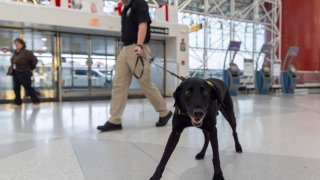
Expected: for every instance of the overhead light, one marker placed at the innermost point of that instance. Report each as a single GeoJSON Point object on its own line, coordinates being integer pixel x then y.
{"type": "Point", "coordinates": [44, 48]}
{"type": "Point", "coordinates": [43, 39]}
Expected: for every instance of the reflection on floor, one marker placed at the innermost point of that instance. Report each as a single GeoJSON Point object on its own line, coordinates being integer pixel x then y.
{"type": "Point", "coordinates": [279, 136]}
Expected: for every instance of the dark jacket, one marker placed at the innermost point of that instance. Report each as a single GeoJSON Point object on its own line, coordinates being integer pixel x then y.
{"type": "Point", "coordinates": [24, 60]}
{"type": "Point", "coordinates": [136, 12]}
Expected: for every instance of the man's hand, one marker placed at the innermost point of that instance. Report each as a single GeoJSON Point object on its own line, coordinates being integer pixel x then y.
{"type": "Point", "coordinates": [138, 50]}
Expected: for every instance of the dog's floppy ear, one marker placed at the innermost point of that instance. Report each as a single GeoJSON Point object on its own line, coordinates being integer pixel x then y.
{"type": "Point", "coordinates": [216, 92]}
{"type": "Point", "coordinates": [176, 96]}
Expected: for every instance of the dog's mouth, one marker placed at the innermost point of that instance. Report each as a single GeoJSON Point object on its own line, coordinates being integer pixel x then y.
{"type": "Point", "coordinates": [197, 122]}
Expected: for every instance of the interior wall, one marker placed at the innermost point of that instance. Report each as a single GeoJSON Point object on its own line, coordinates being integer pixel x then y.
{"type": "Point", "coordinates": [301, 27]}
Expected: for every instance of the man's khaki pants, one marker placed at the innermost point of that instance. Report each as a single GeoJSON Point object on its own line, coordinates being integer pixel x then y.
{"type": "Point", "coordinates": [125, 66]}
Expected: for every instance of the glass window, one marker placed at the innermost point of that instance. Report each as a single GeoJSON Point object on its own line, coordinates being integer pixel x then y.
{"type": "Point", "coordinates": [219, 33]}
{"type": "Point", "coordinates": [41, 43]}
{"type": "Point", "coordinates": [74, 44]}
{"type": "Point", "coordinates": [74, 61]}
{"type": "Point", "coordinates": [6, 50]}
{"type": "Point", "coordinates": [103, 57]}
{"type": "Point", "coordinates": [81, 72]}
{"type": "Point", "coordinates": [99, 46]}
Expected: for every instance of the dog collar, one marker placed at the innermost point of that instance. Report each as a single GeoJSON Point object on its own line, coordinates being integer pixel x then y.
{"type": "Point", "coordinates": [179, 112]}
{"type": "Point", "coordinates": [210, 83]}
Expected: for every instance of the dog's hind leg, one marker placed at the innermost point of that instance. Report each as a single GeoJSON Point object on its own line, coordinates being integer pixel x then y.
{"type": "Point", "coordinates": [202, 153]}
{"type": "Point", "coordinates": [228, 112]}
{"type": "Point", "coordinates": [171, 145]}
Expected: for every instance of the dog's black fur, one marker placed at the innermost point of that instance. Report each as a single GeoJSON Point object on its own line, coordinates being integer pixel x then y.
{"type": "Point", "coordinates": [197, 103]}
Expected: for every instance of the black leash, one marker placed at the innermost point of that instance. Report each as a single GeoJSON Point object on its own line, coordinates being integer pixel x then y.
{"type": "Point", "coordinates": [140, 58]}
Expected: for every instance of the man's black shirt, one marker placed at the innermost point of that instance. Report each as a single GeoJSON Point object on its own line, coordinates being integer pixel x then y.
{"type": "Point", "coordinates": [136, 12]}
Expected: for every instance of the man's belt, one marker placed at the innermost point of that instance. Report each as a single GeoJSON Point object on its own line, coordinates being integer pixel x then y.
{"type": "Point", "coordinates": [128, 43]}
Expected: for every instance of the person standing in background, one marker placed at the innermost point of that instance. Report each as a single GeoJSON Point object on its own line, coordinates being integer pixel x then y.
{"type": "Point", "coordinates": [23, 63]}
{"type": "Point", "coordinates": [135, 36]}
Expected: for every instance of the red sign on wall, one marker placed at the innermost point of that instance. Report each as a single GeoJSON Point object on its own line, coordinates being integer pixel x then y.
{"type": "Point", "coordinates": [94, 22]}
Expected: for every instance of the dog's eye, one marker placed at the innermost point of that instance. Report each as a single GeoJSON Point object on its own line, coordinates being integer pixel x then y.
{"type": "Point", "coordinates": [188, 93]}
{"type": "Point", "coordinates": [205, 93]}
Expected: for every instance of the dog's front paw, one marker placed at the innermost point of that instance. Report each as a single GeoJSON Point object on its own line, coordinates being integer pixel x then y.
{"type": "Point", "coordinates": [155, 178]}
{"type": "Point", "coordinates": [218, 177]}
{"type": "Point", "coordinates": [200, 156]}
{"type": "Point", "coordinates": [238, 148]}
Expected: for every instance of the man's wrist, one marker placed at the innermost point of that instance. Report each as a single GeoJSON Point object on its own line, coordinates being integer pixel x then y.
{"type": "Point", "coordinates": [139, 45]}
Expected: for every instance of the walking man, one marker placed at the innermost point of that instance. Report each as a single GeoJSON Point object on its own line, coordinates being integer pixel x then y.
{"type": "Point", "coordinates": [135, 36]}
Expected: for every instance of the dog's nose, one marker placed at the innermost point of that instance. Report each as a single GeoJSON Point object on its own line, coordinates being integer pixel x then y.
{"type": "Point", "coordinates": [198, 113]}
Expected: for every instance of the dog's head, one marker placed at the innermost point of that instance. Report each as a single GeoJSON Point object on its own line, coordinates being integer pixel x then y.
{"type": "Point", "coordinates": [195, 96]}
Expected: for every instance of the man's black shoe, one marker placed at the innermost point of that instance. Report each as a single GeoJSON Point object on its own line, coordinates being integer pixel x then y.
{"type": "Point", "coordinates": [109, 127]}
{"type": "Point", "coordinates": [164, 120]}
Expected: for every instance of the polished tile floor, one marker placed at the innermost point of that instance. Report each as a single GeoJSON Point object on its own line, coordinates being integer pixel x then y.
{"type": "Point", "coordinates": [280, 136]}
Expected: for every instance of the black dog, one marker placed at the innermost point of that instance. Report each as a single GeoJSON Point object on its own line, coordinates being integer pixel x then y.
{"type": "Point", "coordinates": [197, 103]}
